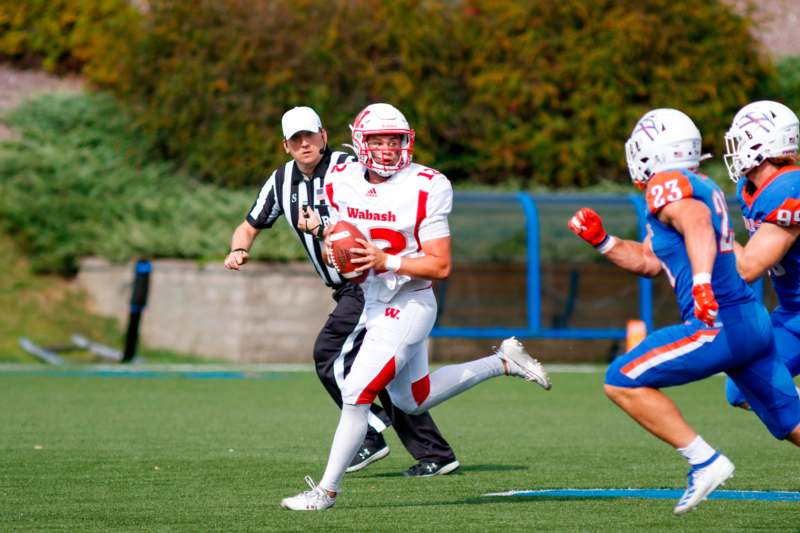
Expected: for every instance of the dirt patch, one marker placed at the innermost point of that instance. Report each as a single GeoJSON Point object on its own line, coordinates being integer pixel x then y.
{"type": "Point", "coordinates": [18, 85]}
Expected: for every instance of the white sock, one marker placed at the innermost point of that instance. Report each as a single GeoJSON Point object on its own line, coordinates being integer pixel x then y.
{"type": "Point", "coordinates": [698, 451]}
{"type": "Point", "coordinates": [348, 437]}
{"type": "Point", "coordinates": [455, 379]}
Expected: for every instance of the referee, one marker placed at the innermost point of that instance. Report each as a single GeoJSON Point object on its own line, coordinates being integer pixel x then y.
{"type": "Point", "coordinates": [296, 190]}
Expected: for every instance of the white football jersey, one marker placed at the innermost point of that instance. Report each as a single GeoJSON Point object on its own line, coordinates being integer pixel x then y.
{"type": "Point", "coordinates": [398, 215]}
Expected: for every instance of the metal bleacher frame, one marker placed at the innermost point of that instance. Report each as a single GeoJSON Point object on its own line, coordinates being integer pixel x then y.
{"type": "Point", "coordinates": [529, 202]}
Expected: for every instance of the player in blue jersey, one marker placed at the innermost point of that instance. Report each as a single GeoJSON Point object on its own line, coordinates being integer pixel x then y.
{"type": "Point", "coordinates": [762, 146]}
{"type": "Point", "coordinates": [690, 239]}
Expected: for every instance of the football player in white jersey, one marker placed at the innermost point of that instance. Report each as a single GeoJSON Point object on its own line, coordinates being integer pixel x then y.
{"type": "Point", "coordinates": [402, 208]}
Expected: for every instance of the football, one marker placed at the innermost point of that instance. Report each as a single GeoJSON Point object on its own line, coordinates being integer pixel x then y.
{"type": "Point", "coordinates": [343, 237]}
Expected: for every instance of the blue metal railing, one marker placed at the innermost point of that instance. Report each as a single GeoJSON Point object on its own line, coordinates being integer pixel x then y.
{"type": "Point", "coordinates": [534, 273]}
{"type": "Point", "coordinates": [529, 204]}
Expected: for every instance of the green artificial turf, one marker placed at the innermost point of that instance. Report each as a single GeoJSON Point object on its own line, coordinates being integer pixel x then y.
{"type": "Point", "coordinates": [168, 453]}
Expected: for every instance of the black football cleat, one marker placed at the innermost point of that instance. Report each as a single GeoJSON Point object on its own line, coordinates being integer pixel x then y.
{"type": "Point", "coordinates": [371, 450]}
{"type": "Point", "coordinates": [431, 468]}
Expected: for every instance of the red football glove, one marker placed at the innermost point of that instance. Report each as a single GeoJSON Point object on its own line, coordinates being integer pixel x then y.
{"type": "Point", "coordinates": [588, 225]}
{"type": "Point", "coordinates": [705, 304]}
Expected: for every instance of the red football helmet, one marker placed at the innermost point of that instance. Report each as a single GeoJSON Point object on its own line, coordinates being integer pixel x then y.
{"type": "Point", "coordinates": [382, 119]}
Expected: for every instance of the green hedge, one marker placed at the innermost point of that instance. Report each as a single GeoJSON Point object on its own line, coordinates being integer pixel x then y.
{"type": "Point", "coordinates": [499, 91]}
{"type": "Point", "coordinates": [539, 92]}
{"type": "Point", "coordinates": [82, 180]}
{"type": "Point", "coordinates": [586, 70]}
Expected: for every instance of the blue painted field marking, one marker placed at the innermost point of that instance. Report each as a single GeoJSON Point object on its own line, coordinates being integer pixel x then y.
{"type": "Point", "coordinates": [657, 494]}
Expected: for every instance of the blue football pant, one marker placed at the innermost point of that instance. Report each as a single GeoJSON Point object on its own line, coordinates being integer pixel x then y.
{"type": "Point", "coordinates": [786, 328]}
{"type": "Point", "coordinates": [743, 347]}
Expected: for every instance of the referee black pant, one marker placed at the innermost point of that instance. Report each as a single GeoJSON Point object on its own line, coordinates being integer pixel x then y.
{"type": "Point", "coordinates": [334, 351]}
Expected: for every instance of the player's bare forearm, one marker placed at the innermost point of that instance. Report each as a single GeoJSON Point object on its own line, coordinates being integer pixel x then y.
{"type": "Point", "coordinates": [427, 267]}
{"type": "Point", "coordinates": [764, 249]}
{"type": "Point", "coordinates": [701, 247]}
{"type": "Point", "coordinates": [434, 265]}
{"type": "Point", "coordinates": [750, 267]}
{"type": "Point", "coordinates": [635, 257]}
{"type": "Point", "coordinates": [692, 219]}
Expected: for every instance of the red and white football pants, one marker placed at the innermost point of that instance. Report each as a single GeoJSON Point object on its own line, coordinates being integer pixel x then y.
{"type": "Point", "coordinates": [394, 356]}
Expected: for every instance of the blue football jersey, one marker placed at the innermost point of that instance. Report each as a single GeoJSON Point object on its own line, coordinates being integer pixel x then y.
{"type": "Point", "coordinates": [777, 201]}
{"type": "Point", "coordinates": [672, 186]}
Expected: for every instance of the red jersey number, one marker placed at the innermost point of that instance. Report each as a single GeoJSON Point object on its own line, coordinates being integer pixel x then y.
{"type": "Point", "coordinates": [396, 241]}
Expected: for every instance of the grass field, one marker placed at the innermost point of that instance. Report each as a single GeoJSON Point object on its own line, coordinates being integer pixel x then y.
{"type": "Point", "coordinates": [48, 309]}
{"type": "Point", "coordinates": [162, 452]}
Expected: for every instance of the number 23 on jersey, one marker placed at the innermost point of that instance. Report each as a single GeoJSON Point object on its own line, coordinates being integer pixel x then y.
{"type": "Point", "coordinates": [675, 186]}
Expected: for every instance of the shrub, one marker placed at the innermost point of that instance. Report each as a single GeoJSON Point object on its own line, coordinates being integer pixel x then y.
{"type": "Point", "coordinates": [561, 84]}
{"type": "Point", "coordinates": [83, 181]}
{"type": "Point", "coordinates": [213, 78]}
{"type": "Point", "coordinates": [67, 35]}
{"type": "Point", "coordinates": [540, 92]}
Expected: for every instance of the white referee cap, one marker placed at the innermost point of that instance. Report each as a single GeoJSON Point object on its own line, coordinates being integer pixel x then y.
{"type": "Point", "coordinates": [300, 119]}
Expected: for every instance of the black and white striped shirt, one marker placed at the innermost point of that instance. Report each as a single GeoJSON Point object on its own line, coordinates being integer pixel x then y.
{"type": "Point", "coordinates": [284, 192]}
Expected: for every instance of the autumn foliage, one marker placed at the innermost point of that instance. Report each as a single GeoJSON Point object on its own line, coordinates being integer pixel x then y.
{"type": "Point", "coordinates": [541, 92]}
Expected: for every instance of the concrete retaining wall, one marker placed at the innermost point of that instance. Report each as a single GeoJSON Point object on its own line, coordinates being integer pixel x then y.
{"type": "Point", "coordinates": [264, 313]}
{"type": "Point", "coordinates": [273, 312]}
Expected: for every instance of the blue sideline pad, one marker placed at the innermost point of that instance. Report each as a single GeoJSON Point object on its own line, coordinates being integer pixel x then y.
{"type": "Point", "coordinates": [657, 494]}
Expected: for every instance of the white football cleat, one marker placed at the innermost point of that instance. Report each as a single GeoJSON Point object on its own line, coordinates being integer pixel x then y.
{"type": "Point", "coordinates": [316, 499]}
{"type": "Point", "coordinates": [703, 479]}
{"type": "Point", "coordinates": [518, 362]}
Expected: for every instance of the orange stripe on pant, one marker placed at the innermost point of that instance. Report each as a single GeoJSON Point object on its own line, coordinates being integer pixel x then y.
{"type": "Point", "coordinates": [701, 337]}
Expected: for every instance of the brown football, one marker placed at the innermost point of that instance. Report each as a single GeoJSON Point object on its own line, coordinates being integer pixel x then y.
{"type": "Point", "coordinates": [343, 237]}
